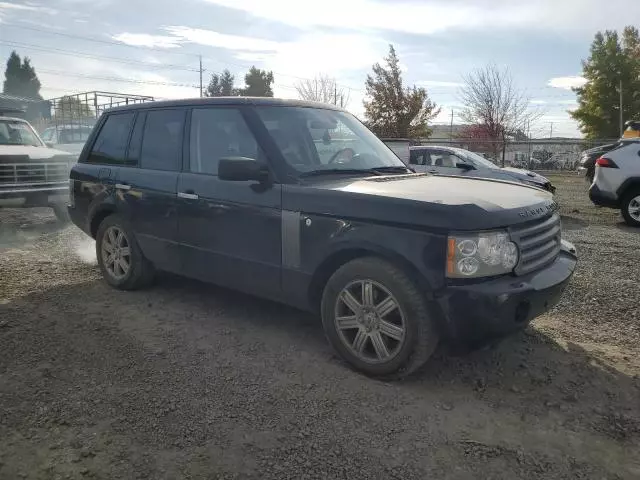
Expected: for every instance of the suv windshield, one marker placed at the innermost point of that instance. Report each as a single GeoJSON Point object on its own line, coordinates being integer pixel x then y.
{"type": "Point", "coordinates": [321, 140]}
{"type": "Point", "coordinates": [14, 132]}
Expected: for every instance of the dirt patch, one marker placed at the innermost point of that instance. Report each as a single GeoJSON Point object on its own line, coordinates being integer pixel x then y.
{"type": "Point", "coordinates": [186, 380]}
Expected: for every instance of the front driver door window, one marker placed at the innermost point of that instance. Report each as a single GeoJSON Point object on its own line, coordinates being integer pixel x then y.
{"type": "Point", "coordinates": [420, 160]}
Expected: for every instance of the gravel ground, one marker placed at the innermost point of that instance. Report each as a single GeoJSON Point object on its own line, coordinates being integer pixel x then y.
{"type": "Point", "coordinates": [186, 380]}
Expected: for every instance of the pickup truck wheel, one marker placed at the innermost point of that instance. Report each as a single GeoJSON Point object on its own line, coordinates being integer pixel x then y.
{"type": "Point", "coordinates": [122, 262]}
{"type": "Point", "coordinates": [377, 319]}
{"type": "Point", "coordinates": [631, 208]}
{"type": "Point", "coordinates": [61, 213]}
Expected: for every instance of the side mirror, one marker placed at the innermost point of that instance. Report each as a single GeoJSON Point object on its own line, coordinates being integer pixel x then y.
{"type": "Point", "coordinates": [465, 166]}
{"type": "Point", "coordinates": [241, 169]}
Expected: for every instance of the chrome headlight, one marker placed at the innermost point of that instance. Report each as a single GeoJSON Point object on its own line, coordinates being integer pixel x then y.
{"type": "Point", "coordinates": [481, 254]}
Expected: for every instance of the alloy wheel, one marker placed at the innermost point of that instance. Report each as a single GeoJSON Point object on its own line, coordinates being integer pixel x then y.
{"type": "Point", "coordinates": [116, 253]}
{"type": "Point", "coordinates": [370, 321]}
{"type": "Point", "coordinates": [634, 208]}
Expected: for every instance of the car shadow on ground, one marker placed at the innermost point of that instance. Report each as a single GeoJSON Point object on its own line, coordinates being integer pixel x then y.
{"type": "Point", "coordinates": [529, 373]}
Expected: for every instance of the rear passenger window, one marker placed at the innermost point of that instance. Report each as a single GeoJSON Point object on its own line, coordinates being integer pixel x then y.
{"type": "Point", "coordinates": [111, 144]}
{"type": "Point", "coordinates": [162, 140]}
{"type": "Point", "coordinates": [217, 133]}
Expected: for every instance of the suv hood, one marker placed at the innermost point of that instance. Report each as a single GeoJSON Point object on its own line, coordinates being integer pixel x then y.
{"type": "Point", "coordinates": [422, 200]}
{"type": "Point", "coordinates": [20, 153]}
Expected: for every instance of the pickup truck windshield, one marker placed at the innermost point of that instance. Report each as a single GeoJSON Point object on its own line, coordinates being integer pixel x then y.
{"type": "Point", "coordinates": [317, 140]}
{"type": "Point", "coordinates": [13, 132]}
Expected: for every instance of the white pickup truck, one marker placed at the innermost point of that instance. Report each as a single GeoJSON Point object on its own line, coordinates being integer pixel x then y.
{"type": "Point", "coordinates": [32, 174]}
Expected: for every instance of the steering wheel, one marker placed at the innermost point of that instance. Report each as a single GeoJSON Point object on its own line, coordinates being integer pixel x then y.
{"type": "Point", "coordinates": [341, 151]}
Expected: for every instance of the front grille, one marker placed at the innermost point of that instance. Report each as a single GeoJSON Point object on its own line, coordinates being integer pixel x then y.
{"type": "Point", "coordinates": [32, 174]}
{"type": "Point", "coordinates": [538, 242]}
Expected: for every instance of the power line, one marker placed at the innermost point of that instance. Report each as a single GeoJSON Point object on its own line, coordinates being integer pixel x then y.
{"type": "Point", "coordinates": [61, 51]}
{"type": "Point", "coordinates": [116, 79]}
{"type": "Point", "coordinates": [185, 68]}
{"type": "Point", "coordinates": [97, 40]}
{"type": "Point", "coordinates": [166, 51]}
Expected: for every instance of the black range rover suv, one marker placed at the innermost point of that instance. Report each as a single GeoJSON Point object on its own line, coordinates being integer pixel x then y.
{"type": "Point", "coordinates": [300, 203]}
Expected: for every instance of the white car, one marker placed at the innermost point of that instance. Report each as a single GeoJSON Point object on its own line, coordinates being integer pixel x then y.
{"type": "Point", "coordinates": [617, 180]}
{"type": "Point", "coordinates": [69, 138]}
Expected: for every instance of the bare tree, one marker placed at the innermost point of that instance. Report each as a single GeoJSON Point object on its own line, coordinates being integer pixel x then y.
{"type": "Point", "coordinates": [323, 89]}
{"type": "Point", "coordinates": [493, 102]}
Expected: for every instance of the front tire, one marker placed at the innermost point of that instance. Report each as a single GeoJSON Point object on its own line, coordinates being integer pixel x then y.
{"type": "Point", "coordinates": [377, 319]}
{"type": "Point", "coordinates": [630, 208]}
{"type": "Point", "coordinates": [121, 261]}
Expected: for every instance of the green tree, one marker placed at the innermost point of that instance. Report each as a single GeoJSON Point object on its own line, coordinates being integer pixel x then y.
{"type": "Point", "coordinates": [257, 83]}
{"type": "Point", "coordinates": [20, 78]}
{"type": "Point", "coordinates": [221, 85]}
{"type": "Point", "coordinates": [612, 64]}
{"type": "Point", "coordinates": [393, 111]}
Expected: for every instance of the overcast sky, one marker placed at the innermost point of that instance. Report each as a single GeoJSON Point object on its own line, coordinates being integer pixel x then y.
{"type": "Point", "coordinates": [541, 41]}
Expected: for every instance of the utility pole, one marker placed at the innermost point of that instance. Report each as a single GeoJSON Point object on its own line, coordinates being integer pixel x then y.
{"type": "Point", "coordinates": [451, 127]}
{"type": "Point", "coordinates": [621, 112]}
{"type": "Point", "coordinates": [529, 142]}
{"type": "Point", "coordinates": [200, 58]}
{"type": "Point", "coordinates": [335, 94]}
{"type": "Point", "coordinates": [551, 133]}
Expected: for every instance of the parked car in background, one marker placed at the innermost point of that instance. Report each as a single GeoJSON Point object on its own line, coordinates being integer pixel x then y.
{"type": "Point", "coordinates": [632, 129]}
{"type": "Point", "coordinates": [69, 137]}
{"type": "Point", "coordinates": [587, 162]}
{"type": "Point", "coordinates": [617, 180]}
{"type": "Point", "coordinates": [445, 160]}
{"type": "Point", "coordinates": [31, 174]}
{"type": "Point", "coordinates": [234, 191]}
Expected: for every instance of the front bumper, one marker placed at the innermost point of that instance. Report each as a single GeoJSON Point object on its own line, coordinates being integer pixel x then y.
{"type": "Point", "coordinates": [477, 313]}
{"type": "Point", "coordinates": [48, 196]}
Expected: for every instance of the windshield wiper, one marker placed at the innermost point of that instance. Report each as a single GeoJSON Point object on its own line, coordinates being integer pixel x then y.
{"type": "Point", "coordinates": [356, 171]}
{"type": "Point", "coordinates": [392, 169]}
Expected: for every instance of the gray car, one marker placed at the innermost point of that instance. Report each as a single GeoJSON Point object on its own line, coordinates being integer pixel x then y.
{"type": "Point", "coordinates": [444, 160]}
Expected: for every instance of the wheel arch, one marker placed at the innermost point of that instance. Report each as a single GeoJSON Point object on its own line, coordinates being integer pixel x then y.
{"type": "Point", "coordinates": [98, 216]}
{"type": "Point", "coordinates": [627, 185]}
{"type": "Point", "coordinates": [346, 254]}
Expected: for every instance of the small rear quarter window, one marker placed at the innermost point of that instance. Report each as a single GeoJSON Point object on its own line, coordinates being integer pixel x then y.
{"type": "Point", "coordinates": [111, 144]}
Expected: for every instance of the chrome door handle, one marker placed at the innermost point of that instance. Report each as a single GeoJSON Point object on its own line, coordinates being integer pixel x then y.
{"type": "Point", "coordinates": [188, 196]}
{"type": "Point", "coordinates": [123, 186]}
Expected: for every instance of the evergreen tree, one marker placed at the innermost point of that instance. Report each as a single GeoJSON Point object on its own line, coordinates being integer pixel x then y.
{"type": "Point", "coordinates": [612, 64]}
{"type": "Point", "coordinates": [392, 110]}
{"type": "Point", "coordinates": [20, 78]}
{"type": "Point", "coordinates": [258, 83]}
{"type": "Point", "coordinates": [221, 85]}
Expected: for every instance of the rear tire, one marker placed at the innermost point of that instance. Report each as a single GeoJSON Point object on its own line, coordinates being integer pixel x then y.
{"type": "Point", "coordinates": [630, 207]}
{"type": "Point", "coordinates": [367, 330]}
{"type": "Point", "coordinates": [120, 258]}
